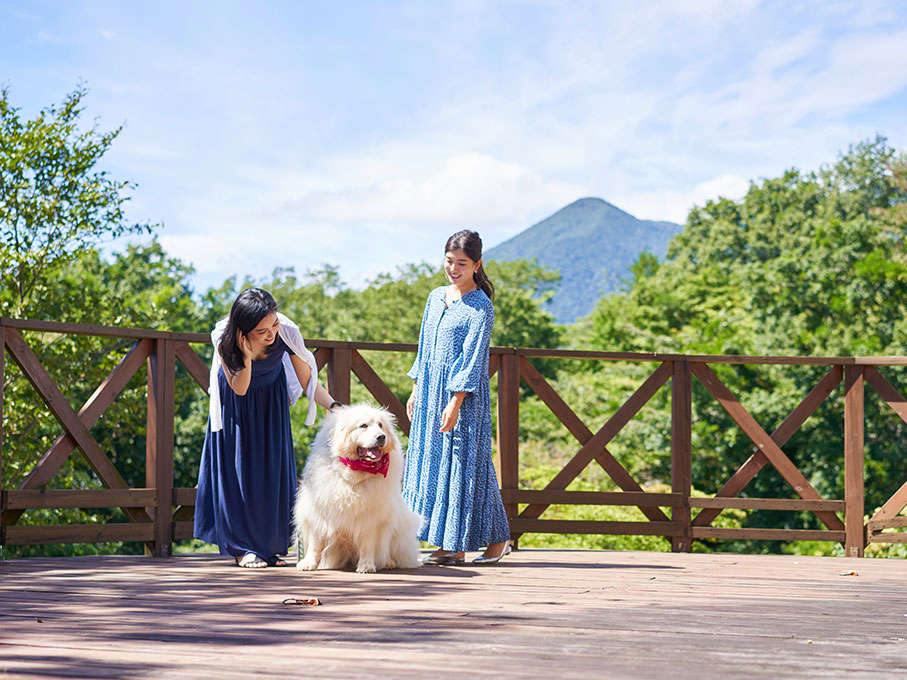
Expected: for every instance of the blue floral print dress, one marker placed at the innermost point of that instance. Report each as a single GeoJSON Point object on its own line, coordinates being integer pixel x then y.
{"type": "Point", "coordinates": [449, 477]}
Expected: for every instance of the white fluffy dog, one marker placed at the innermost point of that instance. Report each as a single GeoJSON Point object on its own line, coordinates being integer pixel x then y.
{"type": "Point", "coordinates": [349, 508]}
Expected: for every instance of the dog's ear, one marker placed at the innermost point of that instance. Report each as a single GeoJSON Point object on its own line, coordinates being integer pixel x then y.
{"type": "Point", "coordinates": [341, 433]}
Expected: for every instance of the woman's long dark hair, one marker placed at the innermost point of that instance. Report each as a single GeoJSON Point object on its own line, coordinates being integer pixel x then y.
{"type": "Point", "coordinates": [250, 307]}
{"type": "Point", "coordinates": [471, 243]}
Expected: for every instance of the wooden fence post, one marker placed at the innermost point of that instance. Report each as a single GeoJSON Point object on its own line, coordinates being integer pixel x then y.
{"type": "Point", "coordinates": [339, 367]}
{"type": "Point", "coordinates": [855, 530]}
{"type": "Point", "coordinates": [159, 444]}
{"type": "Point", "coordinates": [509, 427]}
{"type": "Point", "coordinates": [681, 450]}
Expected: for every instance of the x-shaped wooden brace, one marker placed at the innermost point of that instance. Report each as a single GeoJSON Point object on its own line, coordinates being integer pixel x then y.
{"type": "Point", "coordinates": [374, 384]}
{"type": "Point", "coordinates": [889, 511]}
{"type": "Point", "coordinates": [76, 426]}
{"type": "Point", "coordinates": [593, 446]}
{"type": "Point", "coordinates": [768, 448]}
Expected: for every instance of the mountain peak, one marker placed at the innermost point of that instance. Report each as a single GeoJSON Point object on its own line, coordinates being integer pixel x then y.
{"type": "Point", "coordinates": [593, 203]}
{"type": "Point", "coordinates": [592, 243]}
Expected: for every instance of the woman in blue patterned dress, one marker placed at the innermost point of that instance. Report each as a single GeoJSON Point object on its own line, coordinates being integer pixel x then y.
{"type": "Point", "coordinates": [247, 476]}
{"type": "Point", "coordinates": [449, 477]}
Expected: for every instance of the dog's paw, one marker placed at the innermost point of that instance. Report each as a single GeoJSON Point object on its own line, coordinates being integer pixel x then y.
{"type": "Point", "coordinates": [307, 565]}
{"type": "Point", "coordinates": [390, 564]}
{"type": "Point", "coordinates": [366, 567]}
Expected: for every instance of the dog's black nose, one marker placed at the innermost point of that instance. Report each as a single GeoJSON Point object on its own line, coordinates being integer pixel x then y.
{"type": "Point", "coordinates": [381, 439]}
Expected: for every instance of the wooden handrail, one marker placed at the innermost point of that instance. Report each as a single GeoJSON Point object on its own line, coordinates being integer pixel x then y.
{"type": "Point", "coordinates": [153, 518]}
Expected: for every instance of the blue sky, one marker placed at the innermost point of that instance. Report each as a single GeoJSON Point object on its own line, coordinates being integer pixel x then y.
{"type": "Point", "coordinates": [361, 134]}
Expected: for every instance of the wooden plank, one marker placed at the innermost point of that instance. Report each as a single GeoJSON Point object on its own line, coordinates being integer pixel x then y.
{"type": "Point", "coordinates": [595, 447]}
{"type": "Point", "coordinates": [183, 495]}
{"type": "Point", "coordinates": [893, 505]}
{"type": "Point", "coordinates": [79, 533]}
{"type": "Point", "coordinates": [888, 538]}
{"type": "Point", "coordinates": [746, 472]}
{"type": "Point", "coordinates": [768, 534]}
{"type": "Point", "coordinates": [344, 344]}
{"type": "Point", "coordinates": [768, 504]}
{"type": "Point", "coordinates": [184, 513]}
{"type": "Point", "coordinates": [56, 402]}
{"type": "Point", "coordinates": [880, 361]}
{"type": "Point", "coordinates": [89, 414]}
{"type": "Point", "coordinates": [159, 442]}
{"type": "Point", "coordinates": [183, 530]}
{"type": "Point", "coordinates": [563, 526]}
{"type": "Point", "coordinates": [893, 523]}
{"type": "Point", "coordinates": [509, 429]}
{"type": "Point", "coordinates": [322, 357]}
{"type": "Point", "coordinates": [103, 331]}
{"type": "Point", "coordinates": [328, 345]}
{"type": "Point", "coordinates": [494, 362]}
{"type": "Point", "coordinates": [374, 384]}
{"type": "Point", "coordinates": [79, 498]}
{"type": "Point", "coordinates": [760, 438]}
{"type": "Point", "coordinates": [549, 613]}
{"type": "Point", "coordinates": [681, 450]}
{"type": "Point", "coordinates": [620, 498]}
{"type": "Point", "coordinates": [853, 461]}
{"type": "Point", "coordinates": [887, 391]}
{"type": "Point", "coordinates": [698, 358]}
{"type": "Point", "coordinates": [339, 375]}
{"type": "Point", "coordinates": [193, 363]}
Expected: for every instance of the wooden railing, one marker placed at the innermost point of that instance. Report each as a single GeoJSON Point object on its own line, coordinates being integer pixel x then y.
{"type": "Point", "coordinates": [160, 513]}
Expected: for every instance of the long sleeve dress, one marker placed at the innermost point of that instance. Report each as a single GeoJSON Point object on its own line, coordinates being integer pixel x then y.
{"type": "Point", "coordinates": [247, 476]}
{"type": "Point", "coordinates": [449, 477]}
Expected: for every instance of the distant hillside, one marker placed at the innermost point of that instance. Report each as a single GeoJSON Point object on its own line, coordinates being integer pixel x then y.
{"type": "Point", "coordinates": [592, 244]}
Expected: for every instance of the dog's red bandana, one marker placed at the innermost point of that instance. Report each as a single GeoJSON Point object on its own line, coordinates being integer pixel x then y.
{"type": "Point", "coordinates": [374, 467]}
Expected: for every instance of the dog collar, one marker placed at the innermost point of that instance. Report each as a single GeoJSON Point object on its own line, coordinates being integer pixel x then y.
{"type": "Point", "coordinates": [376, 467]}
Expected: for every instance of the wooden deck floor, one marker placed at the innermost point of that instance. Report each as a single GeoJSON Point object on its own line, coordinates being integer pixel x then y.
{"type": "Point", "coordinates": [541, 614]}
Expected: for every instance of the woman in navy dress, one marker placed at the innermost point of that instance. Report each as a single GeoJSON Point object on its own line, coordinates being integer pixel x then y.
{"type": "Point", "coordinates": [449, 477]}
{"type": "Point", "coordinates": [247, 477]}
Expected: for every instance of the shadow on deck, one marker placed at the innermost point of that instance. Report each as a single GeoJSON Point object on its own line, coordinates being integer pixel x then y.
{"type": "Point", "coordinates": [541, 613]}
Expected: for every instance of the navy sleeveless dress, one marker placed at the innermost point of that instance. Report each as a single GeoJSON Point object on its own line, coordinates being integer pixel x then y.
{"type": "Point", "coordinates": [247, 477]}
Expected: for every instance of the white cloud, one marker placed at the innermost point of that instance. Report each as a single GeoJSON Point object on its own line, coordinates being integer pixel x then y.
{"type": "Point", "coordinates": [464, 188]}
{"type": "Point", "coordinates": [674, 205]}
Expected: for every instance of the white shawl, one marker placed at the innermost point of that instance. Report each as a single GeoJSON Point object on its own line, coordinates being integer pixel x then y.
{"type": "Point", "coordinates": [290, 334]}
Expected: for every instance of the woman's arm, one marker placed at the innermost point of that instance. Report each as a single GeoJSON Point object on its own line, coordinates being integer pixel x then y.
{"type": "Point", "coordinates": [239, 381]}
{"type": "Point", "coordinates": [304, 373]}
{"type": "Point", "coordinates": [473, 366]}
{"type": "Point", "coordinates": [411, 402]}
{"type": "Point", "coordinates": [451, 412]}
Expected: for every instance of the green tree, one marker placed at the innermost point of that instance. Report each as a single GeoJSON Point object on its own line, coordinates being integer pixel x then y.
{"type": "Point", "coordinates": [54, 199]}
{"type": "Point", "coordinates": [807, 264]}
{"type": "Point", "coordinates": [57, 206]}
